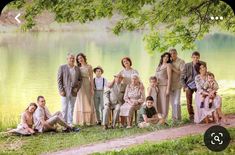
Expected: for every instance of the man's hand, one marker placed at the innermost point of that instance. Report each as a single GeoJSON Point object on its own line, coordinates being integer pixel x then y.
{"type": "Point", "coordinates": [62, 93]}
{"type": "Point", "coordinates": [185, 89]}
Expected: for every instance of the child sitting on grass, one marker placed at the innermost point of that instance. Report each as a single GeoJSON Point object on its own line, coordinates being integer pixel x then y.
{"type": "Point", "coordinates": [148, 114]}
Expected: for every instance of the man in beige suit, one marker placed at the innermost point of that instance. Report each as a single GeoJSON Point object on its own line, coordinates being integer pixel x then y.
{"type": "Point", "coordinates": [69, 82]}
{"type": "Point", "coordinates": [113, 99]}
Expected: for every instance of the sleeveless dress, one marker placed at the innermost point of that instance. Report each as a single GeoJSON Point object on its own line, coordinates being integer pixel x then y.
{"type": "Point", "coordinates": [163, 100]}
{"type": "Point", "coordinates": [84, 110]}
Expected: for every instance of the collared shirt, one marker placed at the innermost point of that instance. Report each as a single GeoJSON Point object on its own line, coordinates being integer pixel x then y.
{"type": "Point", "coordinates": [40, 114]}
{"type": "Point", "coordinates": [100, 83]}
{"type": "Point", "coordinates": [179, 65]}
{"type": "Point", "coordinates": [72, 73]}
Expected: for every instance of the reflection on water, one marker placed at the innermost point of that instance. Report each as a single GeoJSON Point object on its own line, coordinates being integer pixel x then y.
{"type": "Point", "coordinates": [29, 62]}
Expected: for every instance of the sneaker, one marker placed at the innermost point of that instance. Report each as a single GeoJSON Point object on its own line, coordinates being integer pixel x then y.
{"type": "Point", "coordinates": [76, 129]}
{"type": "Point", "coordinates": [129, 127]}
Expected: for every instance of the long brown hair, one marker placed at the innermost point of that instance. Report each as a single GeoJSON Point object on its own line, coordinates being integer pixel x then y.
{"type": "Point", "coordinates": [32, 104]}
{"type": "Point", "coordinates": [84, 57]}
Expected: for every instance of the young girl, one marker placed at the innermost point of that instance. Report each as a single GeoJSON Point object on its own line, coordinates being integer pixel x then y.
{"type": "Point", "coordinates": [26, 125]}
{"type": "Point", "coordinates": [152, 90]}
{"type": "Point", "coordinates": [210, 87]}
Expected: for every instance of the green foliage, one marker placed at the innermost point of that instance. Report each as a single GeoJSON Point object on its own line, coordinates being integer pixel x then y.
{"type": "Point", "coordinates": [168, 22]}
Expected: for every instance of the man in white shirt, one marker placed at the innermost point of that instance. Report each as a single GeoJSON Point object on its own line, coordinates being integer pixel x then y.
{"type": "Point", "coordinates": [44, 121]}
{"type": "Point", "coordinates": [177, 69]}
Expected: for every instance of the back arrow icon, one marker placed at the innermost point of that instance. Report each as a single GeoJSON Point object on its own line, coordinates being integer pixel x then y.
{"type": "Point", "coordinates": [16, 18]}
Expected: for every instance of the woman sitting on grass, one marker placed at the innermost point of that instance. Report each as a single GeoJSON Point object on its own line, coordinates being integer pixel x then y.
{"type": "Point", "coordinates": [26, 125]}
{"type": "Point", "coordinates": [148, 114]}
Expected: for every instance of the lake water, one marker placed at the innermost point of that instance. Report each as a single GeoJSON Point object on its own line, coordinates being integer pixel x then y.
{"type": "Point", "coordinates": [29, 62]}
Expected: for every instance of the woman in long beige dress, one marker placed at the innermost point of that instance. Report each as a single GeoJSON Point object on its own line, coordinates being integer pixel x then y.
{"type": "Point", "coordinates": [84, 110]}
{"type": "Point", "coordinates": [163, 74]}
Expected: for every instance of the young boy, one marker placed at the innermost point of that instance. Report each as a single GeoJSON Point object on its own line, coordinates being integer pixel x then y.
{"type": "Point", "coordinates": [210, 88]}
{"type": "Point", "coordinates": [99, 84]}
{"type": "Point", "coordinates": [153, 90]}
{"type": "Point", "coordinates": [148, 114]}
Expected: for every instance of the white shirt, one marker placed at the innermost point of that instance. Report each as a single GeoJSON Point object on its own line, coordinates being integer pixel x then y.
{"type": "Point", "coordinates": [72, 73]}
{"type": "Point", "coordinates": [99, 83]}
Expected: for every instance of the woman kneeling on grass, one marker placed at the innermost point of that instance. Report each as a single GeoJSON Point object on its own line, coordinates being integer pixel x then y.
{"type": "Point", "coordinates": [148, 114]}
{"type": "Point", "coordinates": [26, 125]}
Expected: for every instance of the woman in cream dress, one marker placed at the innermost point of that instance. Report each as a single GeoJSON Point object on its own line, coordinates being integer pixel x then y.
{"type": "Point", "coordinates": [84, 111]}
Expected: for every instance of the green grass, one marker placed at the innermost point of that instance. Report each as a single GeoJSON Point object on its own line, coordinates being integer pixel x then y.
{"type": "Point", "coordinates": [187, 145]}
{"type": "Point", "coordinates": [50, 142]}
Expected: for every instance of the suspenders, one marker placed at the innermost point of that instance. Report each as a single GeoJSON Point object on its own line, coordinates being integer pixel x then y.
{"type": "Point", "coordinates": [95, 84]}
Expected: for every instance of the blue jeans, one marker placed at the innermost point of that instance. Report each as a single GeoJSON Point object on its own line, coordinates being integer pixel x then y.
{"type": "Point", "coordinates": [68, 108]}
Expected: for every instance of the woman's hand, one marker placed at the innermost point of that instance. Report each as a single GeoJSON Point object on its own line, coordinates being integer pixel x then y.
{"type": "Point", "coordinates": [92, 92]}
{"type": "Point", "coordinates": [167, 92]}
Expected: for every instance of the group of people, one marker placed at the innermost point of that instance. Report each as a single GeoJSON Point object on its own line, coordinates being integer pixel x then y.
{"type": "Point", "coordinates": [88, 100]}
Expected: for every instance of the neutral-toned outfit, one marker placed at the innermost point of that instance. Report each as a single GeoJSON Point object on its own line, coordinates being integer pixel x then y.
{"type": "Point", "coordinates": [84, 111]}
{"type": "Point", "coordinates": [99, 84]}
{"type": "Point", "coordinates": [150, 113]}
{"type": "Point", "coordinates": [187, 80]}
{"type": "Point", "coordinates": [134, 98]}
{"type": "Point", "coordinates": [201, 113]}
{"type": "Point", "coordinates": [163, 99]}
{"type": "Point", "coordinates": [127, 75]}
{"type": "Point", "coordinates": [26, 122]}
{"type": "Point", "coordinates": [153, 91]}
{"type": "Point", "coordinates": [43, 114]}
{"type": "Point", "coordinates": [175, 90]}
{"type": "Point", "coordinates": [69, 81]}
{"type": "Point", "coordinates": [113, 99]}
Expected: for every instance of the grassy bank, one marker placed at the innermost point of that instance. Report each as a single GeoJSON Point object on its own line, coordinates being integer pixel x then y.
{"type": "Point", "coordinates": [50, 142]}
{"type": "Point", "coordinates": [186, 145]}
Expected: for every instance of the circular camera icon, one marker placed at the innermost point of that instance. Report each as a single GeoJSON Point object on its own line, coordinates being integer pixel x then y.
{"type": "Point", "coordinates": [217, 138]}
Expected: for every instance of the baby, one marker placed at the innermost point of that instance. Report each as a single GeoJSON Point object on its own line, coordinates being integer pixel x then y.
{"type": "Point", "coordinates": [210, 87]}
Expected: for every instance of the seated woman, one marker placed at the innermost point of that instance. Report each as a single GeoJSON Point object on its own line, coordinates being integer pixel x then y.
{"type": "Point", "coordinates": [26, 125]}
{"type": "Point", "coordinates": [134, 97]}
{"type": "Point", "coordinates": [148, 114]}
{"type": "Point", "coordinates": [203, 113]}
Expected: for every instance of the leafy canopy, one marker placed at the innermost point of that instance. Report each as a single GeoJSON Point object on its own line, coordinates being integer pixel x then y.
{"type": "Point", "coordinates": [167, 23]}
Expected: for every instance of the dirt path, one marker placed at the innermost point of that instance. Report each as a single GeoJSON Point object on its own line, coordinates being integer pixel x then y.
{"type": "Point", "coordinates": [121, 143]}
